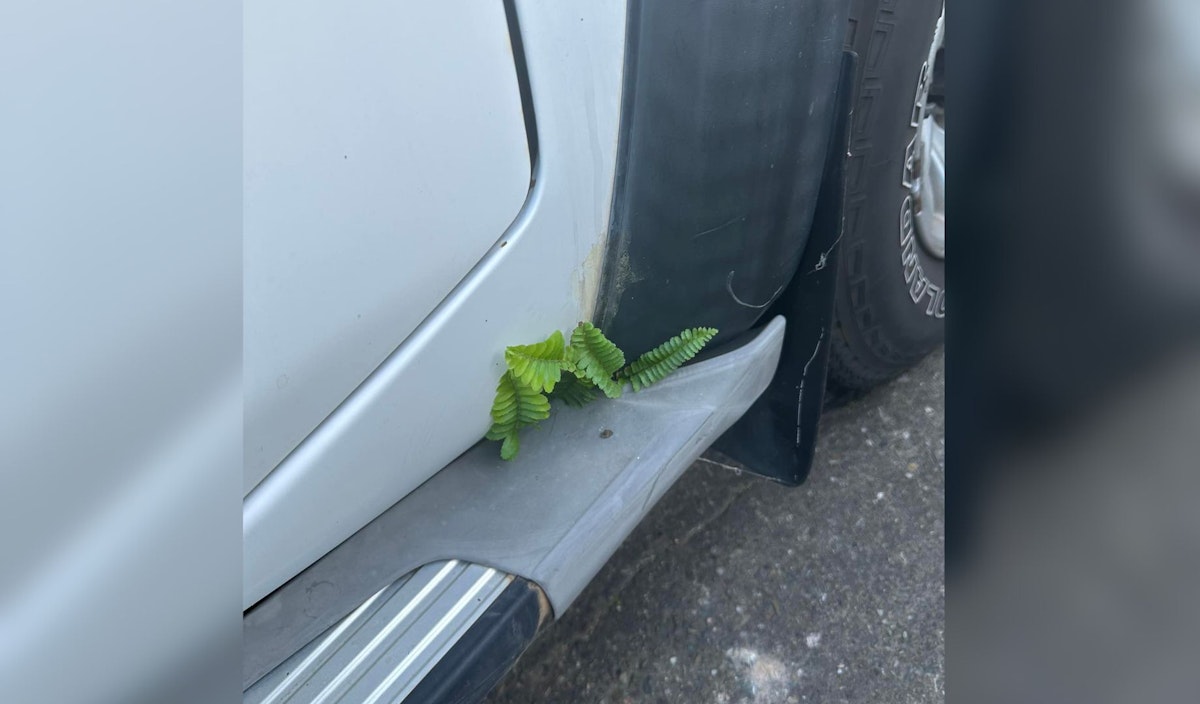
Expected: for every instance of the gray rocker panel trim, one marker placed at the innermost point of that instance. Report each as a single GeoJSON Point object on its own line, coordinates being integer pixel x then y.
{"type": "Point", "coordinates": [553, 516]}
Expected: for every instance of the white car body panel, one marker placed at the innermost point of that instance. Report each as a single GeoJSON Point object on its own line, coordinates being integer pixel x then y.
{"type": "Point", "coordinates": [384, 153]}
{"type": "Point", "coordinates": [540, 276]}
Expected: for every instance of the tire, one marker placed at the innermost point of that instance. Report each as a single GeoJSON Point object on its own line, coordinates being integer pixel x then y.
{"type": "Point", "coordinates": [889, 305]}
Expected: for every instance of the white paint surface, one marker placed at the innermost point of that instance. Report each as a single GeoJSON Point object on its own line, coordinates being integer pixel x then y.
{"type": "Point", "coordinates": [384, 154]}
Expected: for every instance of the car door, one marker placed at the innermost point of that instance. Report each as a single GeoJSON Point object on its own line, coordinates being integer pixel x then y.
{"type": "Point", "coordinates": [415, 199]}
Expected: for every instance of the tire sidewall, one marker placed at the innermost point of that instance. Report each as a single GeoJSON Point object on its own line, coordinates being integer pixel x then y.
{"type": "Point", "coordinates": [892, 296]}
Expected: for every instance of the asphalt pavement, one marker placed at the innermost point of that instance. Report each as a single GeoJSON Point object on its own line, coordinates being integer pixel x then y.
{"type": "Point", "coordinates": [735, 589]}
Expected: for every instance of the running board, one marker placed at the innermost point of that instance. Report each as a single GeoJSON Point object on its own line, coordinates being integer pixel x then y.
{"type": "Point", "coordinates": [553, 516]}
{"type": "Point", "coordinates": [386, 646]}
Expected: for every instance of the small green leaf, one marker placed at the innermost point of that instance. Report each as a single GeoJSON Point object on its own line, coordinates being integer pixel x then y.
{"type": "Point", "coordinates": [516, 406]}
{"type": "Point", "coordinates": [573, 391]}
{"type": "Point", "coordinates": [510, 447]}
{"type": "Point", "coordinates": [593, 357]}
{"type": "Point", "coordinates": [667, 357]}
{"type": "Point", "coordinates": [538, 366]}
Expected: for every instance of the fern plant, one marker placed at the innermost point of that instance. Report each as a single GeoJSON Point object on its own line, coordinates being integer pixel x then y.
{"type": "Point", "coordinates": [592, 363]}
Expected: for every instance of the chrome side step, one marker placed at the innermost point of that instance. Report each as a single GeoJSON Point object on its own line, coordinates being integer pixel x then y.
{"type": "Point", "coordinates": [382, 650]}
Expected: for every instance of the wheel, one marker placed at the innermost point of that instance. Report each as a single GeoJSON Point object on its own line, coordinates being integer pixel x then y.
{"type": "Point", "coordinates": [890, 302]}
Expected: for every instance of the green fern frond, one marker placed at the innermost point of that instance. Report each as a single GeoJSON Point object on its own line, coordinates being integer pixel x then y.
{"type": "Point", "coordinates": [538, 366]}
{"type": "Point", "coordinates": [667, 357]}
{"type": "Point", "coordinates": [593, 357]}
{"type": "Point", "coordinates": [574, 391]}
{"type": "Point", "coordinates": [592, 360]}
{"type": "Point", "coordinates": [516, 406]}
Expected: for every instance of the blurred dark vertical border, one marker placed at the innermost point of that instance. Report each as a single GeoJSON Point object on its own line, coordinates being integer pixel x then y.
{"type": "Point", "coordinates": [1076, 264]}
{"type": "Point", "coordinates": [983, 75]}
{"type": "Point", "coordinates": [1071, 363]}
{"type": "Point", "coordinates": [120, 351]}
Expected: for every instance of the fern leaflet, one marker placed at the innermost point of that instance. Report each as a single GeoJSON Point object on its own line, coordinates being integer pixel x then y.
{"type": "Point", "coordinates": [539, 365]}
{"type": "Point", "coordinates": [573, 391]}
{"type": "Point", "coordinates": [516, 406]}
{"type": "Point", "coordinates": [667, 357]}
{"type": "Point", "coordinates": [593, 357]}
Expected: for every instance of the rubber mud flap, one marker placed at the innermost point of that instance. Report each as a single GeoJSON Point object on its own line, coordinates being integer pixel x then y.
{"type": "Point", "coordinates": [726, 115]}
{"type": "Point", "coordinates": [777, 435]}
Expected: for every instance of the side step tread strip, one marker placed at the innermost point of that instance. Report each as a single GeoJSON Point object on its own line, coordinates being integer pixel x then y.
{"type": "Point", "coordinates": [385, 647]}
{"type": "Point", "coordinates": [469, 670]}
